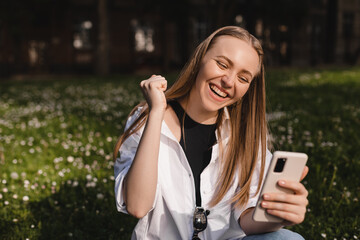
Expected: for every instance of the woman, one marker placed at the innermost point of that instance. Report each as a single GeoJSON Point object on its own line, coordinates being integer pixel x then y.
{"type": "Point", "coordinates": [192, 158]}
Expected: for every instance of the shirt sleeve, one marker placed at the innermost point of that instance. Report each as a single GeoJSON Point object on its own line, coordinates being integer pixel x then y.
{"type": "Point", "coordinates": [253, 196]}
{"type": "Point", "coordinates": [123, 163]}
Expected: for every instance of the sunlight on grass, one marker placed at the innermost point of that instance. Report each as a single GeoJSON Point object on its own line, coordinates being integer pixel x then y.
{"type": "Point", "coordinates": [57, 136]}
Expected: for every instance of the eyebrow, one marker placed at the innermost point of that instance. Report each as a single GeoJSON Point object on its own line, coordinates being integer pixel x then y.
{"type": "Point", "coordinates": [232, 64]}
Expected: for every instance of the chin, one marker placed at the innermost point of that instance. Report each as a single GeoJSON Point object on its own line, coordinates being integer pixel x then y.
{"type": "Point", "coordinates": [213, 107]}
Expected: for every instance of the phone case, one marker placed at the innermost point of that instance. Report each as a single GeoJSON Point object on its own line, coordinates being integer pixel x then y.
{"type": "Point", "coordinates": [292, 170]}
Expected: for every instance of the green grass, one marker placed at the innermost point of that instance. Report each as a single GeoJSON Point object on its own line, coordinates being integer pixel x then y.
{"type": "Point", "coordinates": [57, 136]}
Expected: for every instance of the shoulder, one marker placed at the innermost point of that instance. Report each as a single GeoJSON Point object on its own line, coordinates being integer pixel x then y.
{"type": "Point", "coordinates": [173, 122]}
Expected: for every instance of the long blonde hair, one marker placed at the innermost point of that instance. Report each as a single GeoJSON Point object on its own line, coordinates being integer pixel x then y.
{"type": "Point", "coordinates": [248, 128]}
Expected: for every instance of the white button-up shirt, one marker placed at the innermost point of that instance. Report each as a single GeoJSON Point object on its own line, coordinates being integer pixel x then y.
{"type": "Point", "coordinates": [171, 216]}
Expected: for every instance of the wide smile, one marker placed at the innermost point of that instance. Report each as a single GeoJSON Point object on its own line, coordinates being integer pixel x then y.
{"type": "Point", "coordinates": [218, 91]}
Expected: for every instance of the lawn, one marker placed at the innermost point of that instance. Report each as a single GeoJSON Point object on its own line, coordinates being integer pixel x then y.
{"type": "Point", "coordinates": [57, 136]}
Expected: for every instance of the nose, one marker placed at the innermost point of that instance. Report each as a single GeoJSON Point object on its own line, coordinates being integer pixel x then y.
{"type": "Point", "coordinates": [227, 80]}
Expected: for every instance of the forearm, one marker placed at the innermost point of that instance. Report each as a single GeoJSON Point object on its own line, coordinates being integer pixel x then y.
{"type": "Point", "coordinates": [141, 180]}
{"type": "Point", "coordinates": [251, 227]}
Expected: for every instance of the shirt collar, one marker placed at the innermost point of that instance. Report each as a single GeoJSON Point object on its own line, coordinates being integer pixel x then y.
{"type": "Point", "coordinates": [226, 113]}
{"type": "Point", "coordinates": [225, 125]}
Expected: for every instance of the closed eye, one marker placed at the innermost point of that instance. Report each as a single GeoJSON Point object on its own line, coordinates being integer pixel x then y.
{"type": "Point", "coordinates": [221, 65]}
{"type": "Point", "coordinates": [243, 79]}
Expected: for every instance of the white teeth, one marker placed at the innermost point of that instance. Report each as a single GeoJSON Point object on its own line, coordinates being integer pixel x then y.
{"type": "Point", "coordinates": [218, 91]}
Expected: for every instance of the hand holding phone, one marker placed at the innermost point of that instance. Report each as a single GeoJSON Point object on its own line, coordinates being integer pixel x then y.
{"type": "Point", "coordinates": [283, 166]}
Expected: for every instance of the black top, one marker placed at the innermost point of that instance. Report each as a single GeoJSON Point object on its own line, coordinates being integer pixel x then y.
{"type": "Point", "coordinates": [196, 140]}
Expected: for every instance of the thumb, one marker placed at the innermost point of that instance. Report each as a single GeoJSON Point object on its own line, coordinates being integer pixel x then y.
{"type": "Point", "coordinates": [163, 86]}
{"type": "Point", "coordinates": [304, 173]}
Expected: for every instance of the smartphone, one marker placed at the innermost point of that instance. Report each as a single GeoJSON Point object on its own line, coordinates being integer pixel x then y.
{"type": "Point", "coordinates": [284, 165]}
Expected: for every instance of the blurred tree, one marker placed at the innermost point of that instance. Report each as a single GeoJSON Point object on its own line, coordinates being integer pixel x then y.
{"type": "Point", "coordinates": [18, 18]}
{"type": "Point", "coordinates": [331, 26]}
{"type": "Point", "coordinates": [103, 39]}
{"type": "Point", "coordinates": [275, 12]}
{"type": "Point", "coordinates": [223, 12]}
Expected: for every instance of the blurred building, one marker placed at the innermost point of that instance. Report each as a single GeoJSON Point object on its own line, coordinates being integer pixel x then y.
{"type": "Point", "coordinates": [56, 36]}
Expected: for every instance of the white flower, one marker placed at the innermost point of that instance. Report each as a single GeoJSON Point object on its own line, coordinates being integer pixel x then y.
{"type": "Point", "coordinates": [15, 196]}
{"type": "Point", "coordinates": [25, 198]}
{"type": "Point", "coordinates": [100, 196]}
{"type": "Point", "coordinates": [75, 184]}
{"type": "Point", "coordinates": [6, 203]}
{"type": "Point", "coordinates": [90, 184]}
{"type": "Point", "coordinates": [57, 160]}
{"type": "Point", "coordinates": [14, 175]}
{"type": "Point", "coordinates": [26, 182]}
{"type": "Point", "coordinates": [5, 190]}
{"type": "Point", "coordinates": [109, 139]}
{"type": "Point", "coordinates": [323, 235]}
{"type": "Point", "coordinates": [70, 159]}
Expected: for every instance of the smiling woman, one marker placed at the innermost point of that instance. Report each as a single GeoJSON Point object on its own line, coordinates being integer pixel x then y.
{"type": "Point", "coordinates": [224, 77]}
{"type": "Point", "coordinates": [193, 157]}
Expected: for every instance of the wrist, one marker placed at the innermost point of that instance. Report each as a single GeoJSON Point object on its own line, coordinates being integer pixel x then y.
{"type": "Point", "coordinates": [156, 113]}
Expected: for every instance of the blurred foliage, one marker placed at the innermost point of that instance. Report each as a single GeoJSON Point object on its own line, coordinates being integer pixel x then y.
{"type": "Point", "coordinates": [57, 136]}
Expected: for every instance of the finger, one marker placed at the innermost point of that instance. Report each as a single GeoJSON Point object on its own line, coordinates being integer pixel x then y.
{"type": "Point", "coordinates": [299, 200]}
{"type": "Point", "coordinates": [304, 173]}
{"type": "Point", "coordinates": [155, 77]}
{"type": "Point", "coordinates": [163, 86]}
{"type": "Point", "coordinates": [160, 84]}
{"type": "Point", "coordinates": [287, 216]}
{"type": "Point", "coordinates": [154, 82]}
{"type": "Point", "coordinates": [152, 78]}
{"type": "Point", "coordinates": [296, 187]}
{"type": "Point", "coordinates": [291, 208]}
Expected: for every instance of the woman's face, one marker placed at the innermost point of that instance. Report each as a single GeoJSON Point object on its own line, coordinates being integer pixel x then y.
{"type": "Point", "coordinates": [225, 74]}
